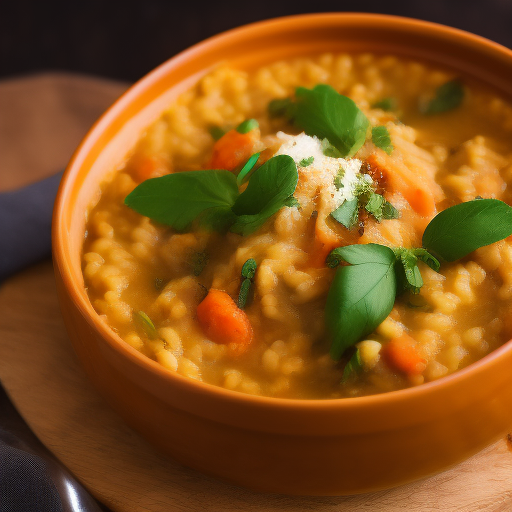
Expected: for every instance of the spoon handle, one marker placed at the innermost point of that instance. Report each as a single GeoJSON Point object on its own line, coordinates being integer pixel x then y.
{"type": "Point", "coordinates": [31, 477]}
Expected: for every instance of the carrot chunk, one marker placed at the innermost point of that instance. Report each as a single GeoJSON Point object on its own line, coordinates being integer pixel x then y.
{"type": "Point", "coordinates": [233, 149]}
{"type": "Point", "coordinates": [148, 167]}
{"type": "Point", "coordinates": [224, 322]}
{"type": "Point", "coordinates": [401, 353]}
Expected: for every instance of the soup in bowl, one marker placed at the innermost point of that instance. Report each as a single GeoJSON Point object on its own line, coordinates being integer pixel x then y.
{"type": "Point", "coordinates": [288, 251]}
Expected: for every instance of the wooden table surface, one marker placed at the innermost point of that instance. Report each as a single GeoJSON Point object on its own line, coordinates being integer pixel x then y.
{"type": "Point", "coordinates": [42, 119]}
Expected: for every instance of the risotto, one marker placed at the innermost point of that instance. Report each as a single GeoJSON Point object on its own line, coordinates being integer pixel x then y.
{"type": "Point", "coordinates": [319, 228]}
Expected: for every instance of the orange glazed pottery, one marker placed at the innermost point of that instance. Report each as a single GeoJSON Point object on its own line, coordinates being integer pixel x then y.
{"type": "Point", "coordinates": [317, 447]}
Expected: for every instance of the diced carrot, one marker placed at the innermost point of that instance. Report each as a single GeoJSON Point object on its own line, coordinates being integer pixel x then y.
{"type": "Point", "coordinates": [224, 322]}
{"type": "Point", "coordinates": [233, 149]}
{"type": "Point", "coordinates": [420, 191]}
{"type": "Point", "coordinates": [420, 200]}
{"type": "Point", "coordinates": [325, 238]}
{"type": "Point", "coordinates": [321, 248]}
{"type": "Point", "coordinates": [401, 353]}
{"type": "Point", "coordinates": [148, 167]}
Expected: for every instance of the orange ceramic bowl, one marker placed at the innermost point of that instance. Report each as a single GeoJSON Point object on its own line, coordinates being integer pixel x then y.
{"type": "Point", "coordinates": [319, 447]}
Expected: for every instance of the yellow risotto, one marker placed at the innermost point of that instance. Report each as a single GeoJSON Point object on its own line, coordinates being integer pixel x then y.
{"type": "Point", "coordinates": [278, 232]}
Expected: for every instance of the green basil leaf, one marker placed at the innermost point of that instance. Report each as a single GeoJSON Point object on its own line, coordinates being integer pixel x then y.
{"type": "Point", "coordinates": [145, 324]}
{"type": "Point", "coordinates": [347, 213]}
{"type": "Point", "coordinates": [382, 139]}
{"type": "Point", "coordinates": [269, 189]}
{"type": "Point", "coordinates": [448, 96]}
{"type": "Point", "coordinates": [180, 198]}
{"type": "Point", "coordinates": [306, 162]}
{"type": "Point", "coordinates": [385, 104]}
{"type": "Point", "coordinates": [465, 227]}
{"type": "Point", "coordinates": [247, 168]}
{"type": "Point", "coordinates": [247, 126]}
{"type": "Point", "coordinates": [323, 112]}
{"type": "Point", "coordinates": [361, 295]}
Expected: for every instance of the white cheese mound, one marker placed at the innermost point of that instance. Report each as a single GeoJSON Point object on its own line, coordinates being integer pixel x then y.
{"type": "Point", "coordinates": [324, 169]}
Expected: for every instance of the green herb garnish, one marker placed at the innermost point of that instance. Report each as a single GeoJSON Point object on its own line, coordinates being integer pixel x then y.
{"type": "Point", "coordinates": [199, 262]}
{"type": "Point", "coordinates": [385, 104]}
{"type": "Point", "coordinates": [247, 126]}
{"type": "Point", "coordinates": [447, 97]}
{"type": "Point", "coordinates": [411, 278]}
{"type": "Point", "coordinates": [347, 213]}
{"type": "Point", "coordinates": [247, 168]}
{"type": "Point", "coordinates": [269, 189]}
{"type": "Point", "coordinates": [217, 132]}
{"type": "Point", "coordinates": [145, 323]}
{"type": "Point", "coordinates": [353, 367]}
{"type": "Point", "coordinates": [382, 139]}
{"type": "Point", "coordinates": [381, 208]}
{"type": "Point", "coordinates": [212, 199]}
{"type": "Point", "coordinates": [363, 293]}
{"type": "Point", "coordinates": [306, 162]}
{"type": "Point", "coordinates": [463, 228]}
{"type": "Point", "coordinates": [338, 180]}
{"type": "Point", "coordinates": [282, 107]}
{"type": "Point", "coordinates": [248, 273]}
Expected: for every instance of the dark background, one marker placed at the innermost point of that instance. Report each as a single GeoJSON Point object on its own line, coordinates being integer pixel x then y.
{"type": "Point", "coordinates": [125, 40]}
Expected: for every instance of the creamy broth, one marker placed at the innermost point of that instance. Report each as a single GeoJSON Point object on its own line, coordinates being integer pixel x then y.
{"type": "Point", "coordinates": [133, 264]}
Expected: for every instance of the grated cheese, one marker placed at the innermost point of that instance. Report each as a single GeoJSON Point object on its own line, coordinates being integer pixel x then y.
{"type": "Point", "coordinates": [324, 169]}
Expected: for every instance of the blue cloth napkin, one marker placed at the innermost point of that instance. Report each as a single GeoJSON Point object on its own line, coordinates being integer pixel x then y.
{"type": "Point", "coordinates": [31, 479]}
{"type": "Point", "coordinates": [25, 225]}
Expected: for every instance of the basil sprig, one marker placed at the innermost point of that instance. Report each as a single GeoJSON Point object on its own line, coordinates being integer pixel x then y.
{"type": "Point", "coordinates": [211, 197]}
{"type": "Point", "coordinates": [363, 293]}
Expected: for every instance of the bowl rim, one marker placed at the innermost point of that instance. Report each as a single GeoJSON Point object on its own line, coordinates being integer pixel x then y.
{"type": "Point", "coordinates": [63, 257]}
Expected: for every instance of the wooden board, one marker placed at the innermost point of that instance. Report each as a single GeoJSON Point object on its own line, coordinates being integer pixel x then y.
{"type": "Point", "coordinates": [42, 376]}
